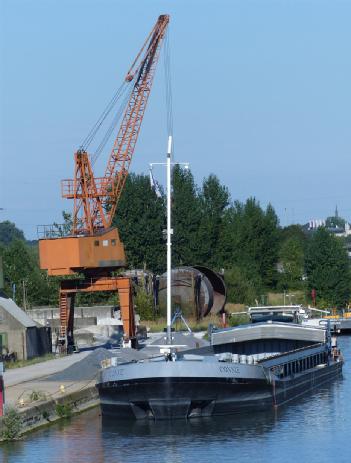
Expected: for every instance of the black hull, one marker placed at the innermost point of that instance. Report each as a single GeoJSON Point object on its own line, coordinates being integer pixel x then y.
{"type": "Point", "coordinates": [173, 398]}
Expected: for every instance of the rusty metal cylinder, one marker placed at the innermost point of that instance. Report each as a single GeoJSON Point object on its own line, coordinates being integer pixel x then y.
{"type": "Point", "coordinates": [196, 290]}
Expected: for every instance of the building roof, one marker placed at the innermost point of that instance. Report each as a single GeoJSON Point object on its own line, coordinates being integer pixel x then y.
{"type": "Point", "coordinates": [16, 312]}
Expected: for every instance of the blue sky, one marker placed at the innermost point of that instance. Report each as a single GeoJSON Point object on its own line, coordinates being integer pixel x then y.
{"type": "Point", "coordinates": [261, 94]}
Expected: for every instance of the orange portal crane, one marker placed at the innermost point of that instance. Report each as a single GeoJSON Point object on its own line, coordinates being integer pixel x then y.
{"type": "Point", "coordinates": [93, 247]}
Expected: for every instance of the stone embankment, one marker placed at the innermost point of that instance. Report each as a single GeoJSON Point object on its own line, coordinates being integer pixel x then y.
{"type": "Point", "coordinates": [46, 392]}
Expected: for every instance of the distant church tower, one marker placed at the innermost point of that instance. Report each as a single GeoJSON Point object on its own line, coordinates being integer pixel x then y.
{"type": "Point", "coordinates": [336, 212]}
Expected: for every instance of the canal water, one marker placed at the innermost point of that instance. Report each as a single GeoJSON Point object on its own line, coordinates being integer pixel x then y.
{"type": "Point", "coordinates": [315, 428]}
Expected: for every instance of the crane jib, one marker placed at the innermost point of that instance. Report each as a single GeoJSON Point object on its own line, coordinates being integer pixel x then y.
{"type": "Point", "coordinates": [96, 199]}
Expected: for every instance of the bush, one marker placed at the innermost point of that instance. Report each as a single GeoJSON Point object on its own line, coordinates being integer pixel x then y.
{"type": "Point", "coordinates": [34, 396]}
{"type": "Point", "coordinates": [240, 288]}
{"type": "Point", "coordinates": [63, 410]}
{"type": "Point", "coordinates": [12, 424]}
{"type": "Point", "coordinates": [236, 320]}
{"type": "Point", "coordinates": [144, 305]}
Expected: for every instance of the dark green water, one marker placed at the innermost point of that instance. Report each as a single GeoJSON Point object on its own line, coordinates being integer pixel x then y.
{"type": "Point", "coordinates": [315, 428]}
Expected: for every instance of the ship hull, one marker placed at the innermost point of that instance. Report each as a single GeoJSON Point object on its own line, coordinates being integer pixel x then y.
{"type": "Point", "coordinates": [176, 397]}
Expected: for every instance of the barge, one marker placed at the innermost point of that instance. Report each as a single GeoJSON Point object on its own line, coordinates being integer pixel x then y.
{"type": "Point", "coordinates": [340, 322]}
{"type": "Point", "coordinates": [250, 367]}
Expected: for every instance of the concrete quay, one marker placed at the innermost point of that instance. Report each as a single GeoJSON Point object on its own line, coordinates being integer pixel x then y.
{"type": "Point", "coordinates": [41, 402]}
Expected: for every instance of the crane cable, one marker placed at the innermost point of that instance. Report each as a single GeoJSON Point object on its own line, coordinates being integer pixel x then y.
{"type": "Point", "coordinates": [111, 104]}
{"type": "Point", "coordinates": [116, 118]}
{"type": "Point", "coordinates": [111, 127]}
{"type": "Point", "coordinates": [123, 93]}
{"type": "Point", "coordinates": [168, 85]}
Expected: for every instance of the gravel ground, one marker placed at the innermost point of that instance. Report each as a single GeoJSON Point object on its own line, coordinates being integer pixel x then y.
{"type": "Point", "coordinates": [88, 368]}
{"type": "Point", "coordinates": [83, 370]}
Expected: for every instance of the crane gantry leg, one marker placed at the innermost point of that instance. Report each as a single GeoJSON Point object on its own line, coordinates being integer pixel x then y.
{"type": "Point", "coordinates": [69, 288]}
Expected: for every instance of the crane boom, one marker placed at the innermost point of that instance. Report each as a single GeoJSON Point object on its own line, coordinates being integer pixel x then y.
{"type": "Point", "coordinates": [96, 199]}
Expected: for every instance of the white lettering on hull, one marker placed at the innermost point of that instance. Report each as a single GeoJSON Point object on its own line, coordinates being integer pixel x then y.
{"type": "Point", "coordinates": [229, 369]}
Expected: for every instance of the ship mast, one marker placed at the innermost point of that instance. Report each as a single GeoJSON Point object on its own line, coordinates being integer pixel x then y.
{"type": "Point", "coordinates": [169, 230]}
{"type": "Point", "coordinates": [169, 244]}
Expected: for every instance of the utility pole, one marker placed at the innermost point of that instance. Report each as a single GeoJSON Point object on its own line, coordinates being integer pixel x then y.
{"type": "Point", "coordinates": [24, 292]}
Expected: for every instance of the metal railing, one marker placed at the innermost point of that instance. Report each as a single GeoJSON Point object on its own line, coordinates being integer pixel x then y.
{"type": "Point", "coordinates": [71, 188]}
{"type": "Point", "coordinates": [54, 230]}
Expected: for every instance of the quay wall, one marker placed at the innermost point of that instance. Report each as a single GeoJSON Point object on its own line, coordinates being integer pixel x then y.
{"type": "Point", "coordinates": [44, 413]}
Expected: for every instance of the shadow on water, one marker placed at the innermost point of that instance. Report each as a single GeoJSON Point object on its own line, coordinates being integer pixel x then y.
{"type": "Point", "coordinates": [239, 425]}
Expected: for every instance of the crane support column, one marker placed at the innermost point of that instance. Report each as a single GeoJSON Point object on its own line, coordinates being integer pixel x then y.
{"type": "Point", "coordinates": [69, 288]}
{"type": "Point", "coordinates": [126, 306]}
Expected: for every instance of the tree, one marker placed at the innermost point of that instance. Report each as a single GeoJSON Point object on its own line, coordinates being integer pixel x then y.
{"type": "Point", "coordinates": [214, 199]}
{"type": "Point", "coordinates": [9, 232]}
{"type": "Point", "coordinates": [292, 247]}
{"type": "Point", "coordinates": [249, 240]}
{"type": "Point", "coordinates": [21, 268]}
{"type": "Point", "coordinates": [292, 259]}
{"type": "Point", "coordinates": [186, 218]}
{"type": "Point", "coordinates": [269, 247]}
{"type": "Point", "coordinates": [64, 228]}
{"type": "Point", "coordinates": [140, 219]}
{"type": "Point", "coordinates": [241, 289]}
{"type": "Point", "coordinates": [293, 231]}
{"type": "Point", "coordinates": [328, 269]}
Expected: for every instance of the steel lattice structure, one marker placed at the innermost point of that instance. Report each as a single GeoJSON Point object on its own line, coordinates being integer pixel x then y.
{"type": "Point", "coordinates": [96, 198]}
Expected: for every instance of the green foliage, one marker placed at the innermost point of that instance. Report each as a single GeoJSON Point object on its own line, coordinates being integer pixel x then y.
{"type": "Point", "coordinates": [214, 199]}
{"type": "Point", "coordinates": [293, 231]}
{"type": "Point", "coordinates": [21, 268]}
{"type": "Point", "coordinates": [9, 232]}
{"type": "Point", "coordinates": [144, 304]}
{"type": "Point", "coordinates": [34, 396]}
{"type": "Point", "coordinates": [140, 219]}
{"type": "Point", "coordinates": [240, 288]}
{"type": "Point", "coordinates": [186, 218]}
{"type": "Point", "coordinates": [291, 257]}
{"type": "Point", "coordinates": [197, 217]}
{"type": "Point", "coordinates": [11, 424]}
{"type": "Point", "coordinates": [249, 240]}
{"type": "Point", "coordinates": [63, 410]}
{"type": "Point", "coordinates": [236, 320]}
{"type": "Point", "coordinates": [328, 269]}
{"type": "Point", "coordinates": [65, 228]}
{"type": "Point", "coordinates": [32, 361]}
